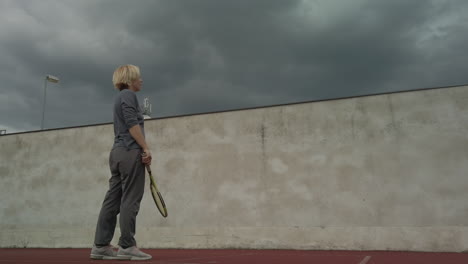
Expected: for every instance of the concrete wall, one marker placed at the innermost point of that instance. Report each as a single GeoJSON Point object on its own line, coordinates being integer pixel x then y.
{"type": "Point", "coordinates": [386, 172]}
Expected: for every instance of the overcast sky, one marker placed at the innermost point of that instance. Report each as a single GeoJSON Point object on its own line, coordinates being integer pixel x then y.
{"type": "Point", "coordinates": [211, 55]}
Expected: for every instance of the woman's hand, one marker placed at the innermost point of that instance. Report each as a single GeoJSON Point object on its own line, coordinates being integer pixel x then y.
{"type": "Point", "coordinates": [146, 157]}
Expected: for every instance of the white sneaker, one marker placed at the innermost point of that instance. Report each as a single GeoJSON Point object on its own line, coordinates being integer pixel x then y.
{"type": "Point", "coordinates": [106, 252]}
{"type": "Point", "coordinates": [132, 253]}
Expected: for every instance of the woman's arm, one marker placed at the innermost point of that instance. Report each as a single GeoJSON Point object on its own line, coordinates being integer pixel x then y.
{"type": "Point", "coordinates": [135, 132]}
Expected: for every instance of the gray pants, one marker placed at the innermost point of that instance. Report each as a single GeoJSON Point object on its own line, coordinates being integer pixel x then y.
{"type": "Point", "coordinates": [126, 187]}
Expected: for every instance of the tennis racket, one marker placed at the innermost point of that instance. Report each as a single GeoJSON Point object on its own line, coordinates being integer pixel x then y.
{"type": "Point", "coordinates": [157, 197]}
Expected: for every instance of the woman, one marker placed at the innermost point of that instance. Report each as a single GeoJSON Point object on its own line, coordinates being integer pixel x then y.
{"type": "Point", "coordinates": [127, 161]}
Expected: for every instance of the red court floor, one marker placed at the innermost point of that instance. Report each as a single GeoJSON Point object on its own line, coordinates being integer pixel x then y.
{"type": "Point", "coordinates": [175, 256]}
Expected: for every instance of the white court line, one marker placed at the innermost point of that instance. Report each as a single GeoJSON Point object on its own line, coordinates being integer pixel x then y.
{"type": "Point", "coordinates": [365, 260]}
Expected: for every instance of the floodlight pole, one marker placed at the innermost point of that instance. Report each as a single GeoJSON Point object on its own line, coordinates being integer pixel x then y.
{"type": "Point", "coordinates": [48, 78]}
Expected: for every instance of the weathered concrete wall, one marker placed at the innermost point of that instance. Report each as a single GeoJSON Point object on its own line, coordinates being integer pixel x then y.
{"type": "Point", "coordinates": [378, 172]}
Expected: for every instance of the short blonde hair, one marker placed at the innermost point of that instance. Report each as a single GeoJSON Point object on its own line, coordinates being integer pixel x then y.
{"type": "Point", "coordinates": [125, 75]}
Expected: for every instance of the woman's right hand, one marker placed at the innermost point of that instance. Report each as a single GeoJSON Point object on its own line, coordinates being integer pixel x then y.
{"type": "Point", "coordinates": [146, 157]}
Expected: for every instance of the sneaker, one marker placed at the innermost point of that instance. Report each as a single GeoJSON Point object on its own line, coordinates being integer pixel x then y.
{"type": "Point", "coordinates": [106, 252]}
{"type": "Point", "coordinates": [132, 253]}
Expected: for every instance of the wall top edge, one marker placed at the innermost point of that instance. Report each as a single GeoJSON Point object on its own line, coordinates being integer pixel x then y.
{"type": "Point", "coordinates": [243, 109]}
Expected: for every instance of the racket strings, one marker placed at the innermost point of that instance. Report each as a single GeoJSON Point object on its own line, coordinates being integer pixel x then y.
{"type": "Point", "coordinates": [157, 197]}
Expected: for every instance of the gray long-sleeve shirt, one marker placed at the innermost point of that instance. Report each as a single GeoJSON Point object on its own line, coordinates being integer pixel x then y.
{"type": "Point", "coordinates": [127, 113]}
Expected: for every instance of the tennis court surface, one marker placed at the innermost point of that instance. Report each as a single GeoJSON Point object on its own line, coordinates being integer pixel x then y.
{"type": "Point", "coordinates": [192, 256]}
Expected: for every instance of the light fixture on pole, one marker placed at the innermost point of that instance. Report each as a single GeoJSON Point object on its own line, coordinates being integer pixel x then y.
{"type": "Point", "coordinates": [48, 78]}
{"type": "Point", "coordinates": [146, 108]}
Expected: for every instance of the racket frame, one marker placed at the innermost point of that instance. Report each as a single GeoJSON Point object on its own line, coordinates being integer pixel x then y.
{"type": "Point", "coordinates": [156, 194]}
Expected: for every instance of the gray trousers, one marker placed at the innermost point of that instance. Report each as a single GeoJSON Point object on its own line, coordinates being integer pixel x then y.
{"type": "Point", "coordinates": [126, 188]}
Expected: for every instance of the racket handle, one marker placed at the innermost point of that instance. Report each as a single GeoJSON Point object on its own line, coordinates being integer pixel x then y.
{"type": "Point", "coordinates": [146, 165]}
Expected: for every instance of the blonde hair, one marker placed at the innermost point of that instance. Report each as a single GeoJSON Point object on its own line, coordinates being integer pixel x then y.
{"type": "Point", "coordinates": [125, 75]}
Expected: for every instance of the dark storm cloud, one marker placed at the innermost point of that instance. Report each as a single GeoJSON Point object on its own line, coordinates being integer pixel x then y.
{"type": "Point", "coordinates": [209, 55]}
